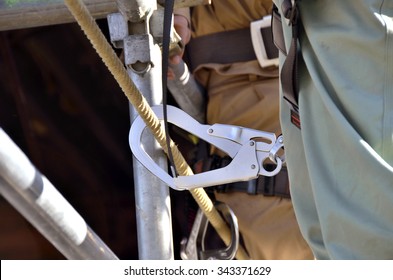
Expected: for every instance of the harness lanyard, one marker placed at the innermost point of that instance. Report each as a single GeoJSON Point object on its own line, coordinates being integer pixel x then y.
{"type": "Point", "coordinates": [168, 10]}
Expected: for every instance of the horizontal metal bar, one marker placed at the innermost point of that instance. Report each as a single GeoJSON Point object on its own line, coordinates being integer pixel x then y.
{"type": "Point", "coordinates": [37, 200]}
{"type": "Point", "coordinates": [18, 14]}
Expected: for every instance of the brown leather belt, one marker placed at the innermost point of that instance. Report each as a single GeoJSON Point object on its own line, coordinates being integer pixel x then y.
{"type": "Point", "coordinates": [268, 186]}
{"type": "Point", "coordinates": [227, 47]}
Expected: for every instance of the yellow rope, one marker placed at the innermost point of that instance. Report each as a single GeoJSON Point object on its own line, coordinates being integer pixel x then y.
{"type": "Point", "coordinates": [117, 69]}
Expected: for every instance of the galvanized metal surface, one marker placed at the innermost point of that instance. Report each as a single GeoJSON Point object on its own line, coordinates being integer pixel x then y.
{"type": "Point", "coordinates": [17, 14]}
{"type": "Point", "coordinates": [187, 93]}
{"type": "Point", "coordinates": [152, 199]}
{"type": "Point", "coordinates": [34, 196]}
{"type": "Point", "coordinates": [142, 56]}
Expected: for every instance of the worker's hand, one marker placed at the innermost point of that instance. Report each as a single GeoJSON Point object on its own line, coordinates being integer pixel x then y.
{"type": "Point", "coordinates": [182, 27]}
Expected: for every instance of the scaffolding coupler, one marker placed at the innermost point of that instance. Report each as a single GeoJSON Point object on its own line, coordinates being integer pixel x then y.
{"type": "Point", "coordinates": [249, 149]}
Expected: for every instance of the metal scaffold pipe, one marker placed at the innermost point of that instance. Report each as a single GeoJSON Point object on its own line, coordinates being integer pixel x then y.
{"type": "Point", "coordinates": [187, 93]}
{"type": "Point", "coordinates": [34, 196]}
{"type": "Point", "coordinates": [17, 14]}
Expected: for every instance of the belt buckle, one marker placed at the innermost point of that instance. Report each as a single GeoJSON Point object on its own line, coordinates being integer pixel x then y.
{"type": "Point", "coordinates": [257, 27]}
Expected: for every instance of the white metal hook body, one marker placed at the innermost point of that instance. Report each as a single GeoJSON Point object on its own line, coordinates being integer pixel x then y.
{"type": "Point", "coordinates": [248, 148]}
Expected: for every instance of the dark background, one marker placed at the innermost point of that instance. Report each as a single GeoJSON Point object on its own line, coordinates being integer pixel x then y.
{"type": "Point", "coordinates": [62, 107]}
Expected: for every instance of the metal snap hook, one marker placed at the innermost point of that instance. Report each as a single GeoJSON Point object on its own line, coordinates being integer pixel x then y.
{"type": "Point", "coordinates": [194, 247]}
{"type": "Point", "coordinates": [274, 151]}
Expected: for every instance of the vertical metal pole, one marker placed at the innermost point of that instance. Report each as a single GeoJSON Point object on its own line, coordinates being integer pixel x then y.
{"type": "Point", "coordinates": [152, 200]}
{"type": "Point", "coordinates": [34, 196]}
{"type": "Point", "coordinates": [143, 60]}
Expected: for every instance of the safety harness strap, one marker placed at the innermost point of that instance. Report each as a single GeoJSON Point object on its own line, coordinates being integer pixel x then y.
{"type": "Point", "coordinates": [289, 73]}
{"type": "Point", "coordinates": [263, 185]}
{"type": "Point", "coordinates": [228, 47]}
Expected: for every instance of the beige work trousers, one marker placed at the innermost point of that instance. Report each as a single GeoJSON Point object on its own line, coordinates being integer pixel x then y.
{"type": "Point", "coordinates": [244, 94]}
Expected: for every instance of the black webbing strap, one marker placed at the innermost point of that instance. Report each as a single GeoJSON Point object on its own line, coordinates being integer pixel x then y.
{"type": "Point", "coordinates": [228, 47]}
{"type": "Point", "coordinates": [277, 185]}
{"type": "Point", "coordinates": [167, 25]}
{"type": "Point", "coordinates": [289, 73]}
{"type": "Point", "coordinates": [221, 47]}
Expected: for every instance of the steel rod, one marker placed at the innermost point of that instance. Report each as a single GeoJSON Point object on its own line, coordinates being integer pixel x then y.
{"type": "Point", "coordinates": [34, 196]}
{"type": "Point", "coordinates": [187, 93]}
{"type": "Point", "coordinates": [18, 14]}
